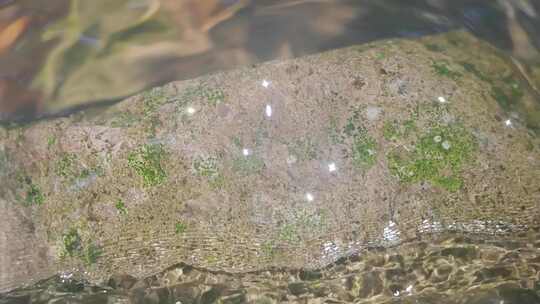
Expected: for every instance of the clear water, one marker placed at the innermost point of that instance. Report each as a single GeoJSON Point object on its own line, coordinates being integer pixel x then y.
{"type": "Point", "coordinates": [70, 54]}
{"type": "Point", "coordinates": [444, 269]}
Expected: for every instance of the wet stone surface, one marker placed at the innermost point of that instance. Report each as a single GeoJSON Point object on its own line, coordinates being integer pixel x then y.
{"type": "Point", "coordinates": [273, 167]}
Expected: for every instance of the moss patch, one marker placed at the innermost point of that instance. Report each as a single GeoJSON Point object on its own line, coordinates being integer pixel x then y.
{"type": "Point", "coordinates": [70, 169]}
{"type": "Point", "coordinates": [390, 130]}
{"type": "Point", "coordinates": [506, 88]}
{"type": "Point", "coordinates": [124, 120]}
{"type": "Point", "coordinates": [364, 151]}
{"type": "Point", "coordinates": [442, 69]}
{"type": "Point", "coordinates": [146, 161]}
{"type": "Point", "coordinates": [261, 135]}
{"type": "Point", "coordinates": [3, 162]}
{"type": "Point", "coordinates": [509, 94]}
{"type": "Point", "coordinates": [51, 141]}
{"type": "Point", "coordinates": [516, 91]}
{"type": "Point", "coordinates": [207, 167]}
{"type": "Point", "coordinates": [334, 133]}
{"type": "Point", "coordinates": [288, 233]}
{"type": "Point", "coordinates": [211, 259]}
{"type": "Point", "coordinates": [214, 96]}
{"type": "Point", "coordinates": [91, 254]}
{"type": "Point", "coordinates": [304, 149]}
{"type": "Point", "coordinates": [210, 95]}
{"type": "Point", "coordinates": [34, 196]}
{"type": "Point", "coordinates": [434, 47]}
{"type": "Point", "coordinates": [502, 99]}
{"type": "Point", "coordinates": [268, 249]}
{"type": "Point", "coordinates": [65, 166]}
{"type": "Point", "coordinates": [363, 147]}
{"type": "Point", "coordinates": [437, 157]}
{"type": "Point", "coordinates": [350, 129]}
{"type": "Point", "coordinates": [409, 127]}
{"type": "Point", "coordinates": [247, 165]}
{"type": "Point", "coordinates": [302, 223]}
{"type": "Point", "coordinates": [471, 68]}
{"type": "Point", "coordinates": [121, 207]}
{"type": "Point", "coordinates": [152, 99]}
{"type": "Point", "coordinates": [73, 247]}
{"type": "Point", "coordinates": [237, 142]}
{"type": "Point", "coordinates": [180, 228]}
{"type": "Point", "coordinates": [72, 243]}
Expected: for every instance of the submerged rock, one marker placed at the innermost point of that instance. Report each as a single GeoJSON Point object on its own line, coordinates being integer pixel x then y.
{"type": "Point", "coordinates": [168, 176]}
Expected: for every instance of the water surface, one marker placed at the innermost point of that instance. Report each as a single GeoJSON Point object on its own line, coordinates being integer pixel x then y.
{"type": "Point", "coordinates": [69, 54]}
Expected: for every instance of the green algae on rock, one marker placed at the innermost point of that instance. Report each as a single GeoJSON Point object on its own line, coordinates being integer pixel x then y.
{"type": "Point", "coordinates": [73, 248]}
{"type": "Point", "coordinates": [34, 195]}
{"type": "Point", "coordinates": [336, 152]}
{"type": "Point", "coordinates": [121, 207]}
{"type": "Point", "coordinates": [72, 242]}
{"type": "Point", "coordinates": [437, 157]}
{"type": "Point", "coordinates": [180, 227]}
{"type": "Point", "coordinates": [64, 166]}
{"type": "Point", "coordinates": [146, 161]}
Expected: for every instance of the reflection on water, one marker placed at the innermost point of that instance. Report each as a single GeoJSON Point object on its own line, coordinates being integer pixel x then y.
{"type": "Point", "coordinates": [70, 53]}
{"type": "Point", "coordinates": [448, 269]}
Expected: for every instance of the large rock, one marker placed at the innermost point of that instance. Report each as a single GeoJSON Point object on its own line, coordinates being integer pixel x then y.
{"type": "Point", "coordinates": [369, 145]}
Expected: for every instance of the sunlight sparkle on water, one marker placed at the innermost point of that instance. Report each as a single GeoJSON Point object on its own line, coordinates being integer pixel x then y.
{"type": "Point", "coordinates": [409, 289]}
{"type": "Point", "coordinates": [391, 232]}
{"type": "Point", "coordinates": [446, 145]}
{"type": "Point", "coordinates": [190, 110]}
{"type": "Point", "coordinates": [332, 167]}
{"type": "Point", "coordinates": [268, 110]}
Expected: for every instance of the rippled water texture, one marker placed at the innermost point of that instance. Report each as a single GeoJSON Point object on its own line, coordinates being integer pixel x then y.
{"type": "Point", "coordinates": [448, 269]}
{"type": "Point", "coordinates": [71, 53]}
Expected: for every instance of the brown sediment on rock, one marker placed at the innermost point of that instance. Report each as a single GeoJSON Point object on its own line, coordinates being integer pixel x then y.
{"type": "Point", "coordinates": [201, 172]}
